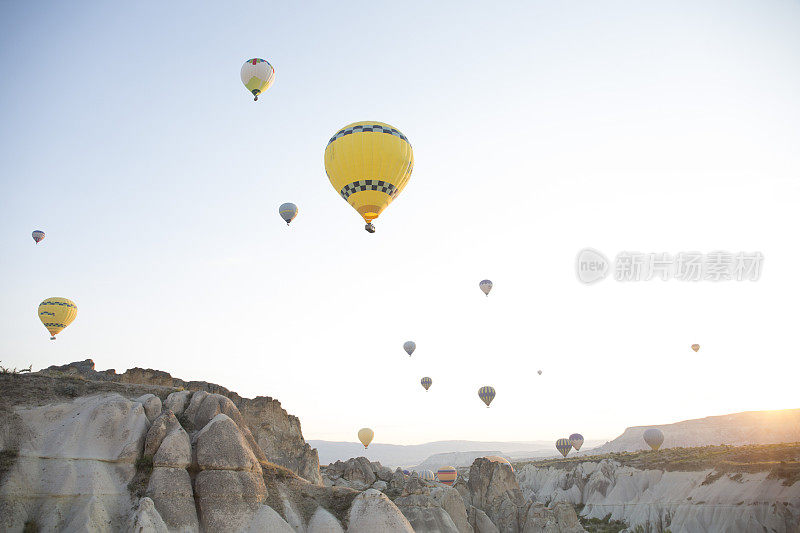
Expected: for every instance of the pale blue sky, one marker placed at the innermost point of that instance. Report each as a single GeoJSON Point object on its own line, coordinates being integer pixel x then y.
{"type": "Point", "coordinates": [538, 128]}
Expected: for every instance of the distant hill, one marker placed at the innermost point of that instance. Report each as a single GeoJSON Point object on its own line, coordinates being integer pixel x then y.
{"type": "Point", "coordinates": [750, 427]}
{"type": "Point", "coordinates": [454, 459]}
{"type": "Point", "coordinates": [395, 455]}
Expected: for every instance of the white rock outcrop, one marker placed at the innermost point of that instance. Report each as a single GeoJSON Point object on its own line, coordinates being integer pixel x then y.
{"type": "Point", "coordinates": [679, 501]}
{"type": "Point", "coordinates": [75, 460]}
{"type": "Point", "coordinates": [373, 512]}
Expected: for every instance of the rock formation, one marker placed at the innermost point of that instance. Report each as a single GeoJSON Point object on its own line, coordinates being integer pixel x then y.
{"type": "Point", "coordinates": [490, 501]}
{"type": "Point", "coordinates": [78, 454]}
{"type": "Point", "coordinates": [656, 500]}
{"type": "Point", "coordinates": [275, 431]}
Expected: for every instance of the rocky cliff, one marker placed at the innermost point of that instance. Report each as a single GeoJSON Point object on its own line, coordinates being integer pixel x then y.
{"type": "Point", "coordinates": [278, 433]}
{"type": "Point", "coordinates": [738, 429]}
{"type": "Point", "coordinates": [104, 455]}
{"type": "Point", "coordinates": [709, 489]}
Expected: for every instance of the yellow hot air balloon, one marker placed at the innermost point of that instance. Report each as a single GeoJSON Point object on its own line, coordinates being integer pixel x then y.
{"type": "Point", "coordinates": [695, 347]}
{"type": "Point", "coordinates": [369, 163]}
{"type": "Point", "coordinates": [56, 314]}
{"type": "Point", "coordinates": [365, 435]}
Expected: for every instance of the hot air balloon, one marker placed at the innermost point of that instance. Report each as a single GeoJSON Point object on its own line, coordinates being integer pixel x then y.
{"type": "Point", "coordinates": [365, 435]}
{"type": "Point", "coordinates": [409, 347]}
{"type": "Point", "coordinates": [257, 75]}
{"type": "Point", "coordinates": [287, 211]}
{"type": "Point", "coordinates": [428, 475]}
{"type": "Point", "coordinates": [38, 236]}
{"type": "Point", "coordinates": [563, 446]}
{"type": "Point", "coordinates": [576, 439]}
{"type": "Point", "coordinates": [406, 473]}
{"type": "Point", "coordinates": [369, 163]}
{"type": "Point", "coordinates": [486, 394]}
{"type": "Point", "coordinates": [426, 382]}
{"type": "Point", "coordinates": [653, 437]}
{"type": "Point", "coordinates": [498, 459]}
{"type": "Point", "coordinates": [695, 347]}
{"type": "Point", "coordinates": [56, 314]}
{"type": "Point", "coordinates": [447, 475]}
{"type": "Point", "coordinates": [485, 286]}
{"type": "Point", "coordinates": [539, 372]}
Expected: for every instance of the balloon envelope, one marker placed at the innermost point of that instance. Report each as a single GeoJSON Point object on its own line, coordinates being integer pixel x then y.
{"type": "Point", "coordinates": [409, 347]}
{"type": "Point", "coordinates": [447, 475]}
{"type": "Point", "coordinates": [539, 372]}
{"type": "Point", "coordinates": [563, 446]}
{"type": "Point", "coordinates": [486, 394]}
{"type": "Point", "coordinates": [576, 439]}
{"type": "Point", "coordinates": [368, 164]}
{"type": "Point", "coordinates": [37, 235]}
{"type": "Point", "coordinates": [56, 314]}
{"type": "Point", "coordinates": [695, 347]}
{"type": "Point", "coordinates": [365, 435]}
{"type": "Point", "coordinates": [485, 286]}
{"type": "Point", "coordinates": [257, 75]}
{"type": "Point", "coordinates": [428, 475]}
{"type": "Point", "coordinates": [426, 382]}
{"type": "Point", "coordinates": [653, 437]}
{"type": "Point", "coordinates": [498, 459]}
{"type": "Point", "coordinates": [287, 211]}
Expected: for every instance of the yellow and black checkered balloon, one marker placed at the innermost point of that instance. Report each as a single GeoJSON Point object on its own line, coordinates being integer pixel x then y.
{"type": "Point", "coordinates": [369, 163]}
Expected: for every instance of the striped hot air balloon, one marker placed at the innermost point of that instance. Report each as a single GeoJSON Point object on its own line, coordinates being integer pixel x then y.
{"type": "Point", "coordinates": [486, 394]}
{"type": "Point", "coordinates": [563, 446]}
{"type": "Point", "coordinates": [428, 475]}
{"type": "Point", "coordinates": [447, 475]}
{"type": "Point", "coordinates": [426, 382]}
{"type": "Point", "coordinates": [576, 439]}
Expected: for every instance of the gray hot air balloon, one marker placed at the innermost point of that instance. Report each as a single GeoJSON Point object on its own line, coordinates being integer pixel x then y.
{"type": "Point", "coordinates": [486, 286]}
{"type": "Point", "coordinates": [539, 372]}
{"type": "Point", "coordinates": [576, 439]}
{"type": "Point", "coordinates": [409, 347]}
{"type": "Point", "coordinates": [654, 438]}
{"type": "Point", "coordinates": [288, 211]}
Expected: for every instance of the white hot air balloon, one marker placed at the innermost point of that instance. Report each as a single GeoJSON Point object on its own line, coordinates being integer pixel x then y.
{"type": "Point", "coordinates": [486, 286]}
{"type": "Point", "coordinates": [409, 347]}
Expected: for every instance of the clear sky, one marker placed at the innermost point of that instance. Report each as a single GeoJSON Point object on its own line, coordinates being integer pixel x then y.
{"type": "Point", "coordinates": [538, 128]}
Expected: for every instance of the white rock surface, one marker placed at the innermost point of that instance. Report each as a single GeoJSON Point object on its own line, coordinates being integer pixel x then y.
{"type": "Point", "coordinates": [324, 522]}
{"type": "Point", "coordinates": [178, 401]}
{"type": "Point", "coordinates": [152, 405]}
{"type": "Point", "coordinates": [373, 512]}
{"type": "Point", "coordinates": [75, 462]}
{"type": "Point", "coordinates": [267, 520]}
{"type": "Point", "coordinates": [679, 501]}
{"type": "Point", "coordinates": [145, 519]}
